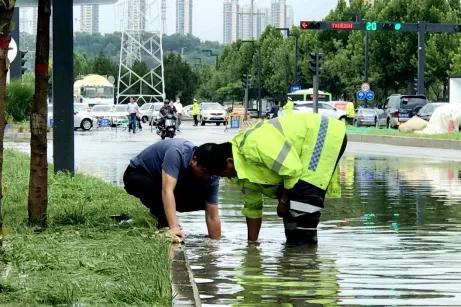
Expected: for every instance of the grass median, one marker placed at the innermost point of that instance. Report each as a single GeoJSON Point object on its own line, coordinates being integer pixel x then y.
{"type": "Point", "coordinates": [83, 257]}
{"type": "Point", "coordinates": [455, 136]}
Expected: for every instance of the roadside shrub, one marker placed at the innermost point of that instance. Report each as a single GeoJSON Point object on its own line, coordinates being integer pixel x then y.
{"type": "Point", "coordinates": [19, 99]}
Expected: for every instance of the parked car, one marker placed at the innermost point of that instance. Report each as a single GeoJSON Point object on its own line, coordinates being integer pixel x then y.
{"type": "Point", "coordinates": [324, 108]}
{"type": "Point", "coordinates": [401, 108]}
{"type": "Point", "coordinates": [370, 117]}
{"type": "Point", "coordinates": [427, 111]}
{"type": "Point", "coordinates": [212, 112]}
{"type": "Point", "coordinates": [102, 113]}
{"type": "Point", "coordinates": [151, 111]}
{"type": "Point", "coordinates": [119, 115]}
{"type": "Point", "coordinates": [253, 113]}
{"type": "Point", "coordinates": [82, 118]}
{"type": "Point", "coordinates": [187, 112]}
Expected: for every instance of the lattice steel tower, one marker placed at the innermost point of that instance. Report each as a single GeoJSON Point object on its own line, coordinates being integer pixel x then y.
{"type": "Point", "coordinates": [141, 54]}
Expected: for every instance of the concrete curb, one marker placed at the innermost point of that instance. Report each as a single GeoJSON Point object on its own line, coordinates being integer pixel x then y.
{"type": "Point", "coordinates": [183, 286]}
{"type": "Point", "coordinates": [405, 141]}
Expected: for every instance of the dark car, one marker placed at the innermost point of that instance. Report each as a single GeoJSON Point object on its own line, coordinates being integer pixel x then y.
{"type": "Point", "coordinates": [427, 111]}
{"type": "Point", "coordinates": [400, 108]}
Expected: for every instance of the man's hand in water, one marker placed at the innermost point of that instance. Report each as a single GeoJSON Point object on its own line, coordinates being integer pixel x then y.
{"type": "Point", "coordinates": [177, 231]}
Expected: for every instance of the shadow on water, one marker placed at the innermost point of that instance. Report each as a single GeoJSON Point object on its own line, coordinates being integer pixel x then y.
{"type": "Point", "coordinates": [394, 238]}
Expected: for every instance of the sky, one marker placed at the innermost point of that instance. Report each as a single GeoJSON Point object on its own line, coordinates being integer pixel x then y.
{"type": "Point", "coordinates": [208, 15]}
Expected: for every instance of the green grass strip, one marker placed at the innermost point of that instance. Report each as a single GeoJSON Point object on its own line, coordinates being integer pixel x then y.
{"type": "Point", "coordinates": [83, 257]}
{"type": "Point", "coordinates": [456, 136]}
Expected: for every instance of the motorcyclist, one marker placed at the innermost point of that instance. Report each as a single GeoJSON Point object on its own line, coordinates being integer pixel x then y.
{"type": "Point", "coordinates": [166, 109]}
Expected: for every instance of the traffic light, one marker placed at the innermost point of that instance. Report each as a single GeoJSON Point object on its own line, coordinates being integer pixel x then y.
{"type": "Point", "coordinates": [315, 63]}
{"type": "Point", "coordinates": [246, 80]}
{"type": "Point", "coordinates": [392, 26]}
{"type": "Point", "coordinates": [23, 61]}
{"type": "Point", "coordinates": [371, 26]}
{"type": "Point", "coordinates": [415, 85]}
{"type": "Point", "coordinates": [457, 28]}
{"type": "Point", "coordinates": [310, 25]}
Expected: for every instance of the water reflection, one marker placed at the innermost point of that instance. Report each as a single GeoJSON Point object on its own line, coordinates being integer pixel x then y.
{"type": "Point", "coordinates": [393, 239]}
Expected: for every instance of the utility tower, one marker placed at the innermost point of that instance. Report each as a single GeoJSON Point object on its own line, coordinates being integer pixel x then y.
{"type": "Point", "coordinates": [141, 55]}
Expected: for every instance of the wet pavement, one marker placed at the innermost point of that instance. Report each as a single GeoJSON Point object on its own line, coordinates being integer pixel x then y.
{"type": "Point", "coordinates": [393, 239]}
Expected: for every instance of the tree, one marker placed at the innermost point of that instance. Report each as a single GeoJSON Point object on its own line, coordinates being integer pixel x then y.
{"type": "Point", "coordinates": [6, 13]}
{"type": "Point", "coordinates": [38, 180]}
{"type": "Point", "coordinates": [180, 80]}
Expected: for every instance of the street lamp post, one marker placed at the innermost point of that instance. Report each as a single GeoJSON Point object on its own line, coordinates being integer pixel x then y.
{"type": "Point", "coordinates": [210, 53]}
{"type": "Point", "coordinates": [259, 75]}
{"type": "Point", "coordinates": [199, 62]}
{"type": "Point", "coordinates": [295, 79]}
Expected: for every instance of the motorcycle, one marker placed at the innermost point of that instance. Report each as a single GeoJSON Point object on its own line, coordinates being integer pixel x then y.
{"type": "Point", "coordinates": [168, 128]}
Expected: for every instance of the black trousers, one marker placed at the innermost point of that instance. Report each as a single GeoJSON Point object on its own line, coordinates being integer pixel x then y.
{"type": "Point", "coordinates": [189, 195]}
{"type": "Point", "coordinates": [195, 120]}
{"type": "Point", "coordinates": [301, 227]}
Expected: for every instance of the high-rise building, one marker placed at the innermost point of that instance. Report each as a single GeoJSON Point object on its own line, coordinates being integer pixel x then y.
{"type": "Point", "coordinates": [279, 13]}
{"type": "Point", "coordinates": [230, 21]}
{"type": "Point", "coordinates": [184, 16]}
{"type": "Point", "coordinates": [290, 17]}
{"type": "Point", "coordinates": [252, 22]}
{"type": "Point", "coordinates": [136, 15]}
{"type": "Point", "coordinates": [89, 18]}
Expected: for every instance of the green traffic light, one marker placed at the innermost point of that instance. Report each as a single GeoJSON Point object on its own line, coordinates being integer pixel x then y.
{"type": "Point", "coordinates": [398, 26]}
{"type": "Point", "coordinates": [371, 26]}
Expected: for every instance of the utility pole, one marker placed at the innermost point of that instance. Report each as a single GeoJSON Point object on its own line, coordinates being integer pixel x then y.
{"type": "Point", "coordinates": [315, 66]}
{"type": "Point", "coordinates": [422, 28]}
{"type": "Point", "coordinates": [246, 84]}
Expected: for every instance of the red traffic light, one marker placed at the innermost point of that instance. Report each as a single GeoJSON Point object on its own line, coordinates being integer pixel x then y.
{"type": "Point", "coordinates": [304, 25]}
{"type": "Point", "coordinates": [310, 25]}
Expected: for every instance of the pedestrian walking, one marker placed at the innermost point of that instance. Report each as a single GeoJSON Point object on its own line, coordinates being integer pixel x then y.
{"type": "Point", "coordinates": [133, 111]}
{"type": "Point", "coordinates": [171, 176]}
{"type": "Point", "coordinates": [195, 111]}
{"type": "Point", "coordinates": [178, 106]}
{"type": "Point", "coordinates": [292, 158]}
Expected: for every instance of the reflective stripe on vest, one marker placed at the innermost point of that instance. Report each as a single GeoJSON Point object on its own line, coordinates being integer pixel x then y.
{"type": "Point", "coordinates": [319, 144]}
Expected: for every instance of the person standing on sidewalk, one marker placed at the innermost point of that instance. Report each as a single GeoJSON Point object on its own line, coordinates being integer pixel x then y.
{"type": "Point", "coordinates": [133, 110]}
{"type": "Point", "coordinates": [171, 176]}
{"type": "Point", "coordinates": [178, 106]}
{"type": "Point", "coordinates": [195, 111]}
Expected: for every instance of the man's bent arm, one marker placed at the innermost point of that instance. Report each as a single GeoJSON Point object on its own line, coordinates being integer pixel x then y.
{"type": "Point", "coordinates": [169, 202]}
{"type": "Point", "coordinates": [213, 222]}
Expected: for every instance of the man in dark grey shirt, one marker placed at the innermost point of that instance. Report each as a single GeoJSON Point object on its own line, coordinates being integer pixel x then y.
{"type": "Point", "coordinates": [171, 176]}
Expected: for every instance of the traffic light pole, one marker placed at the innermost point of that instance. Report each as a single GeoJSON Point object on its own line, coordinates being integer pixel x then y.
{"type": "Point", "coordinates": [422, 28]}
{"type": "Point", "coordinates": [260, 103]}
{"type": "Point", "coordinates": [367, 42]}
{"type": "Point", "coordinates": [63, 87]}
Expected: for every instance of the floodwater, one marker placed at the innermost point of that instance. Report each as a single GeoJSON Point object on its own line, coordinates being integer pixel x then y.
{"type": "Point", "coordinates": [394, 238]}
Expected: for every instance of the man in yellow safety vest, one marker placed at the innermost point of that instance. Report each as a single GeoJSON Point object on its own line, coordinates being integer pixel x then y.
{"type": "Point", "coordinates": [350, 112]}
{"type": "Point", "coordinates": [292, 158]}
{"type": "Point", "coordinates": [195, 111]}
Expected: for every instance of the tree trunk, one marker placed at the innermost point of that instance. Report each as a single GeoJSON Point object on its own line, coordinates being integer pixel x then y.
{"type": "Point", "coordinates": [6, 13]}
{"type": "Point", "coordinates": [38, 182]}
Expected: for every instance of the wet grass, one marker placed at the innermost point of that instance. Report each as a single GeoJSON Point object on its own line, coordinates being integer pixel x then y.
{"type": "Point", "coordinates": [83, 257]}
{"type": "Point", "coordinates": [395, 132]}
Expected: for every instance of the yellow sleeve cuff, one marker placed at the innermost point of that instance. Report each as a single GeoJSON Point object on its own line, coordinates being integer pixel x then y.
{"type": "Point", "coordinates": [289, 183]}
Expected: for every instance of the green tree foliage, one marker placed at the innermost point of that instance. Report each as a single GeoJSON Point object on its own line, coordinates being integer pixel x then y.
{"type": "Point", "coordinates": [19, 98]}
{"type": "Point", "coordinates": [180, 80]}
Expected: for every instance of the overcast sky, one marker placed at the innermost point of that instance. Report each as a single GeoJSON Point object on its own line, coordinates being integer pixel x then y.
{"type": "Point", "coordinates": [208, 15]}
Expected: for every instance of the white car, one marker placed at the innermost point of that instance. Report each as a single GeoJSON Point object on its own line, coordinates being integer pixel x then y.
{"type": "Point", "coordinates": [82, 118]}
{"type": "Point", "coordinates": [187, 112]}
{"type": "Point", "coordinates": [212, 112]}
{"type": "Point", "coordinates": [324, 108]}
{"type": "Point", "coordinates": [103, 114]}
{"type": "Point", "coordinates": [151, 111]}
{"type": "Point", "coordinates": [119, 115]}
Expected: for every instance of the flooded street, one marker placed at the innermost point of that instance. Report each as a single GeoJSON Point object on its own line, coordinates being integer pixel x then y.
{"type": "Point", "coordinates": [394, 238]}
